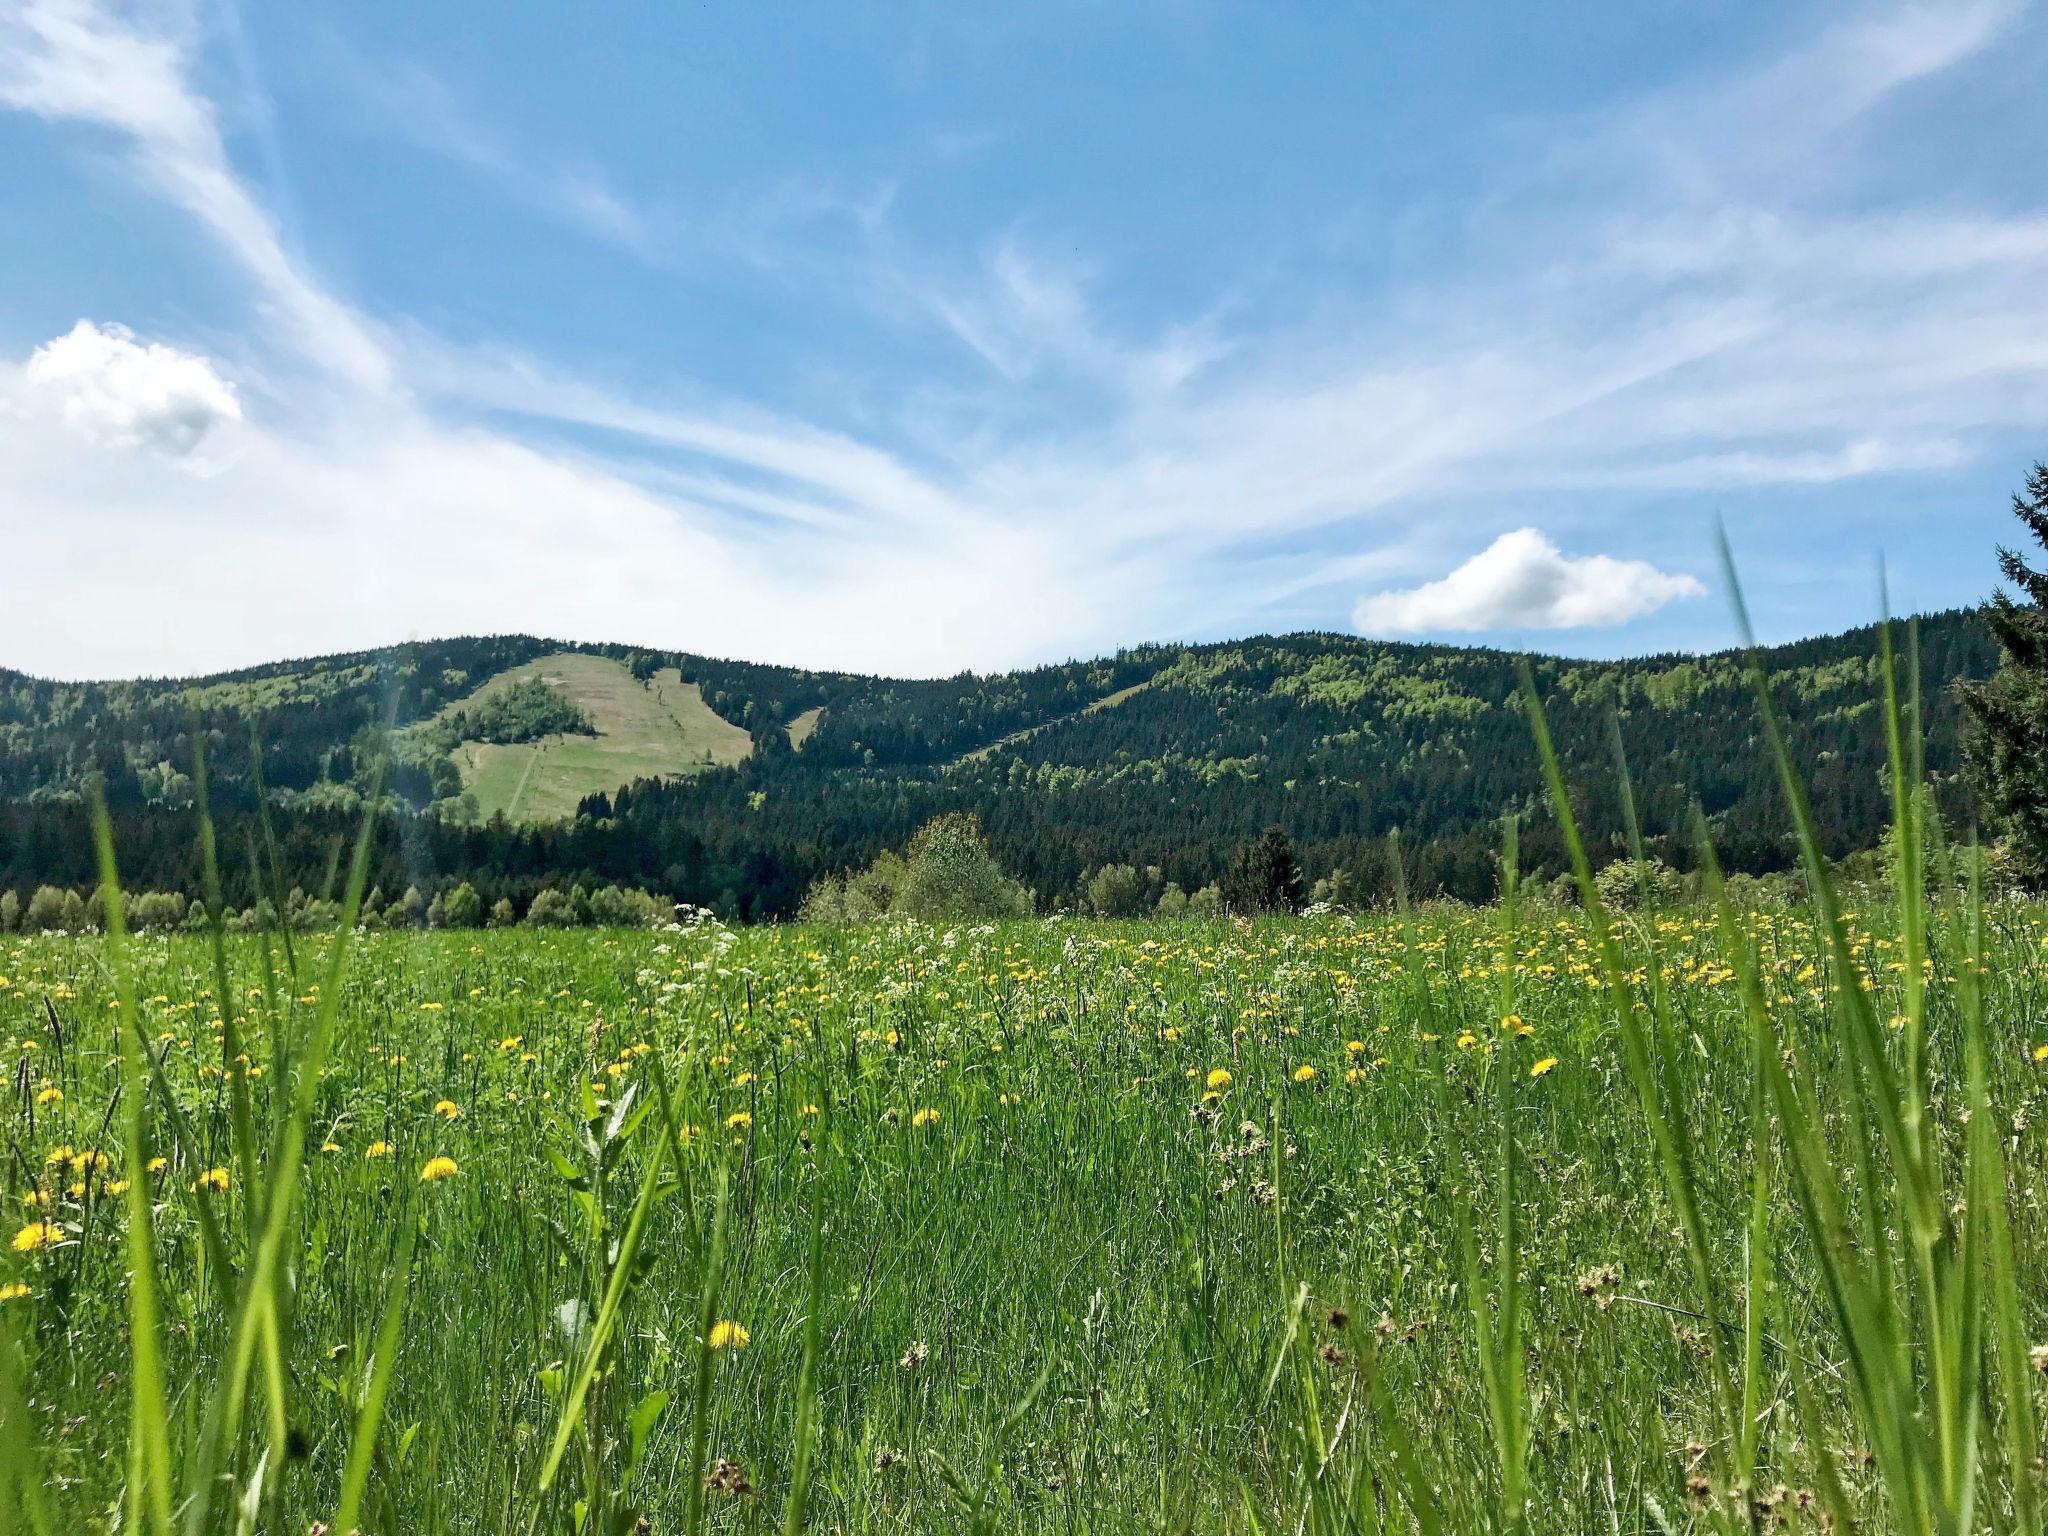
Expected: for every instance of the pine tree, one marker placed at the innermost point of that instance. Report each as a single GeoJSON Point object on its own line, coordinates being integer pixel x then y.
{"type": "Point", "coordinates": [2009, 748]}
{"type": "Point", "coordinates": [1264, 878]}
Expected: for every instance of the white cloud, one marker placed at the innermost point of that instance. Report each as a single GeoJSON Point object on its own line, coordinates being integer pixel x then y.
{"type": "Point", "coordinates": [132, 394]}
{"type": "Point", "coordinates": [1680, 326]}
{"type": "Point", "coordinates": [1523, 581]}
{"type": "Point", "coordinates": [74, 61]}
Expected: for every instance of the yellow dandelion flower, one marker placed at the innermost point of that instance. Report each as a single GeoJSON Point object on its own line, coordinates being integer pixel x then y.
{"type": "Point", "coordinates": [925, 1117]}
{"type": "Point", "coordinates": [1354, 1047]}
{"type": "Point", "coordinates": [17, 1290]}
{"type": "Point", "coordinates": [38, 1234]}
{"type": "Point", "coordinates": [1513, 1024]}
{"type": "Point", "coordinates": [1218, 1079]}
{"type": "Point", "coordinates": [1543, 1066]}
{"type": "Point", "coordinates": [215, 1179]}
{"type": "Point", "coordinates": [1354, 1075]}
{"type": "Point", "coordinates": [447, 1109]}
{"type": "Point", "coordinates": [1304, 1073]}
{"type": "Point", "coordinates": [50, 1096]}
{"type": "Point", "coordinates": [154, 1165]}
{"type": "Point", "coordinates": [438, 1168]}
{"type": "Point", "coordinates": [377, 1149]}
{"type": "Point", "coordinates": [739, 1122]}
{"type": "Point", "coordinates": [2041, 1053]}
{"type": "Point", "coordinates": [116, 1186]}
{"type": "Point", "coordinates": [728, 1334]}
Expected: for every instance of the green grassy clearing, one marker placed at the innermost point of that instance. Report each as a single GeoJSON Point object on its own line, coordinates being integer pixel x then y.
{"type": "Point", "coordinates": [645, 730]}
{"type": "Point", "coordinates": [1028, 1171]}
{"type": "Point", "coordinates": [801, 726]}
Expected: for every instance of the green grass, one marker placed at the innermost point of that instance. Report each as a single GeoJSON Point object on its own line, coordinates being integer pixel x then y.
{"type": "Point", "coordinates": [644, 730]}
{"type": "Point", "coordinates": [1098, 1232]}
{"type": "Point", "coordinates": [1509, 1220]}
{"type": "Point", "coordinates": [801, 726]}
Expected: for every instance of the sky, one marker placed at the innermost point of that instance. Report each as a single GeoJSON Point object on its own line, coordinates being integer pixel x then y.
{"type": "Point", "coordinates": [917, 337]}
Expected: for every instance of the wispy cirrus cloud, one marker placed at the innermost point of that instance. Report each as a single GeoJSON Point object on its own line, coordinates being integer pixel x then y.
{"type": "Point", "coordinates": [1680, 326]}
{"type": "Point", "coordinates": [406, 100]}
{"type": "Point", "coordinates": [72, 61]}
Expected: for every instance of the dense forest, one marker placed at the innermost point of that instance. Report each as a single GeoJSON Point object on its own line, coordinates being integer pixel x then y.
{"type": "Point", "coordinates": [1166, 756]}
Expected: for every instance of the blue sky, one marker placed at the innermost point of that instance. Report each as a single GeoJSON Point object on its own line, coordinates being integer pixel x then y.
{"type": "Point", "coordinates": [918, 337]}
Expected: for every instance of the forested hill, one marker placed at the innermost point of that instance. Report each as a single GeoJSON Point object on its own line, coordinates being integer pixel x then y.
{"type": "Point", "coordinates": [733, 785]}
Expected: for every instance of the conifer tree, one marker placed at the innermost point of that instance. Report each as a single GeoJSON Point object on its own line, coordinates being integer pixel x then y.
{"type": "Point", "coordinates": [2009, 748]}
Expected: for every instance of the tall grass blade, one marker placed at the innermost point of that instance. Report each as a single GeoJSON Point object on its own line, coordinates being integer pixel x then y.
{"type": "Point", "coordinates": [150, 1497]}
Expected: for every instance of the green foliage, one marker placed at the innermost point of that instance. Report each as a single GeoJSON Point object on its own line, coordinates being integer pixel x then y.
{"type": "Point", "coordinates": [1162, 756]}
{"type": "Point", "coordinates": [946, 874]}
{"type": "Point", "coordinates": [525, 710]}
{"type": "Point", "coordinates": [1118, 890]}
{"type": "Point", "coordinates": [2009, 748]}
{"type": "Point", "coordinates": [1648, 885]}
{"type": "Point", "coordinates": [1263, 877]}
{"type": "Point", "coordinates": [461, 907]}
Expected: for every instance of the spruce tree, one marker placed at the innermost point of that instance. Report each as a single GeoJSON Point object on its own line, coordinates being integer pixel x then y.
{"type": "Point", "coordinates": [1264, 878]}
{"type": "Point", "coordinates": [2009, 747]}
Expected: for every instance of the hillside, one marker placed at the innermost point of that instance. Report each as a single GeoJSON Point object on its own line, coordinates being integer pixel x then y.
{"type": "Point", "coordinates": [734, 784]}
{"type": "Point", "coordinates": [643, 729]}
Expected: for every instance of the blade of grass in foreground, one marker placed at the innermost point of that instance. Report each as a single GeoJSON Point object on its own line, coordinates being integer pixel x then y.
{"type": "Point", "coordinates": [149, 1504]}
{"type": "Point", "coordinates": [21, 1479]}
{"type": "Point", "coordinates": [355, 1474]}
{"type": "Point", "coordinates": [615, 1294]}
{"type": "Point", "coordinates": [1988, 1195]}
{"type": "Point", "coordinates": [1917, 1392]}
{"type": "Point", "coordinates": [1674, 1150]}
{"type": "Point", "coordinates": [807, 1404]}
{"type": "Point", "coordinates": [240, 1120]}
{"type": "Point", "coordinates": [707, 1317]}
{"type": "Point", "coordinates": [260, 1274]}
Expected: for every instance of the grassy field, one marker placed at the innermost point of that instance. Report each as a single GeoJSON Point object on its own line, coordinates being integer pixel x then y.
{"type": "Point", "coordinates": [1042, 1227]}
{"type": "Point", "coordinates": [801, 726]}
{"type": "Point", "coordinates": [644, 730]}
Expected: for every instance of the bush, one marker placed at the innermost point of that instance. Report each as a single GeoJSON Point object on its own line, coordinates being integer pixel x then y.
{"type": "Point", "coordinates": [157, 911]}
{"type": "Point", "coordinates": [1115, 890]}
{"type": "Point", "coordinates": [551, 909]}
{"type": "Point", "coordinates": [53, 909]}
{"type": "Point", "coordinates": [1651, 885]}
{"type": "Point", "coordinates": [950, 873]}
{"type": "Point", "coordinates": [946, 874]}
{"type": "Point", "coordinates": [617, 907]}
{"type": "Point", "coordinates": [462, 907]}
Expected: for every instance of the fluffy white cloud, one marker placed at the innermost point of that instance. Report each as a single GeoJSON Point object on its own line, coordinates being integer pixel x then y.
{"type": "Point", "coordinates": [1669, 317]}
{"type": "Point", "coordinates": [1523, 581]}
{"type": "Point", "coordinates": [132, 394]}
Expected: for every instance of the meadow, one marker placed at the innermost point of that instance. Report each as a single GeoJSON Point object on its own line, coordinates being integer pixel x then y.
{"type": "Point", "coordinates": [1117, 1227]}
{"type": "Point", "coordinates": [643, 730]}
{"type": "Point", "coordinates": [1517, 1218]}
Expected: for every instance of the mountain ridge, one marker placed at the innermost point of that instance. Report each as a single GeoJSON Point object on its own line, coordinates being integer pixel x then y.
{"type": "Point", "coordinates": [1162, 755]}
